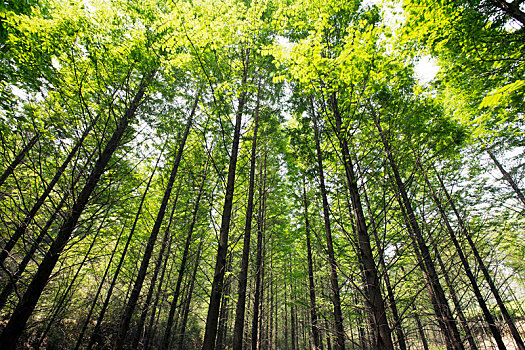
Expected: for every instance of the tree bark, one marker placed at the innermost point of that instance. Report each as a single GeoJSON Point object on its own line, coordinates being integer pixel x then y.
{"type": "Point", "coordinates": [187, 303]}
{"type": "Point", "coordinates": [220, 263]}
{"type": "Point", "coordinates": [374, 297]}
{"type": "Point", "coordinates": [95, 336]}
{"type": "Point", "coordinates": [510, 9]}
{"type": "Point", "coordinates": [336, 298]}
{"type": "Point", "coordinates": [466, 266]}
{"type": "Point", "coordinates": [173, 304]}
{"type": "Point", "coordinates": [504, 312]}
{"type": "Point", "coordinates": [132, 302]}
{"type": "Point", "coordinates": [18, 159]}
{"type": "Point", "coordinates": [238, 330]}
{"type": "Point", "coordinates": [311, 284]}
{"type": "Point", "coordinates": [442, 308]}
{"type": "Point", "coordinates": [259, 261]}
{"type": "Point", "coordinates": [507, 176]}
{"type": "Point", "coordinates": [25, 307]}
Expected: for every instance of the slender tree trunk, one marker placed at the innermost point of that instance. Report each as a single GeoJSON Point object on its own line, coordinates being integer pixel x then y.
{"type": "Point", "coordinates": [224, 314]}
{"type": "Point", "coordinates": [455, 301]}
{"type": "Point", "coordinates": [25, 307]}
{"type": "Point", "coordinates": [420, 329]}
{"type": "Point", "coordinates": [135, 293]}
{"type": "Point", "coordinates": [507, 176]}
{"type": "Point", "coordinates": [187, 303]}
{"type": "Point", "coordinates": [10, 286]}
{"type": "Point", "coordinates": [21, 229]}
{"type": "Point", "coordinates": [390, 292]}
{"type": "Point", "coordinates": [97, 294]}
{"type": "Point", "coordinates": [374, 298]}
{"type": "Point", "coordinates": [466, 266]}
{"type": "Point", "coordinates": [140, 328]}
{"type": "Point", "coordinates": [238, 330]}
{"type": "Point", "coordinates": [504, 312]}
{"type": "Point", "coordinates": [173, 305]}
{"type": "Point", "coordinates": [258, 262]}
{"type": "Point", "coordinates": [220, 263]}
{"type": "Point", "coordinates": [95, 336]}
{"type": "Point", "coordinates": [18, 159]}
{"type": "Point", "coordinates": [71, 284]}
{"type": "Point", "coordinates": [336, 298]}
{"type": "Point", "coordinates": [313, 306]}
{"type": "Point", "coordinates": [442, 310]}
{"type": "Point", "coordinates": [149, 330]}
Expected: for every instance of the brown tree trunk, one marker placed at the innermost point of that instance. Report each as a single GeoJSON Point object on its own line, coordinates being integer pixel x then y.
{"type": "Point", "coordinates": [132, 302]}
{"type": "Point", "coordinates": [186, 310]}
{"type": "Point", "coordinates": [511, 9]}
{"type": "Point", "coordinates": [442, 308]}
{"type": "Point", "coordinates": [374, 298]}
{"type": "Point", "coordinates": [18, 159]}
{"type": "Point", "coordinates": [238, 330]}
{"type": "Point", "coordinates": [507, 176]}
{"type": "Point", "coordinates": [313, 306]}
{"type": "Point", "coordinates": [336, 298]}
{"type": "Point", "coordinates": [97, 294]}
{"type": "Point", "coordinates": [220, 263]}
{"type": "Point", "coordinates": [504, 312]}
{"type": "Point", "coordinates": [173, 304]}
{"type": "Point", "coordinates": [466, 266]}
{"type": "Point", "coordinates": [142, 320]}
{"type": "Point", "coordinates": [259, 260]}
{"type": "Point", "coordinates": [95, 335]}
{"type": "Point", "coordinates": [25, 307]}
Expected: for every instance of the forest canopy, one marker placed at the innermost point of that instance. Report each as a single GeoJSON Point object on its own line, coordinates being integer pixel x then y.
{"type": "Point", "coordinates": [262, 174]}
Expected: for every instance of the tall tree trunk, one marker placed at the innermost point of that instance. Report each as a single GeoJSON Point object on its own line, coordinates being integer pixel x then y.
{"type": "Point", "coordinates": [390, 291]}
{"type": "Point", "coordinates": [313, 306]}
{"type": "Point", "coordinates": [97, 294]}
{"type": "Point", "coordinates": [140, 328]}
{"type": "Point", "coordinates": [224, 314]}
{"type": "Point", "coordinates": [187, 302]}
{"type": "Point", "coordinates": [18, 159]}
{"type": "Point", "coordinates": [466, 266]}
{"type": "Point", "coordinates": [238, 330]}
{"type": "Point", "coordinates": [504, 312]}
{"type": "Point", "coordinates": [148, 333]}
{"type": "Point", "coordinates": [71, 283]}
{"type": "Point", "coordinates": [132, 302]}
{"type": "Point", "coordinates": [259, 259]}
{"type": "Point", "coordinates": [25, 307]}
{"type": "Point", "coordinates": [455, 301]}
{"type": "Point", "coordinates": [507, 176]}
{"type": "Point", "coordinates": [374, 298]}
{"type": "Point", "coordinates": [95, 335]}
{"type": "Point", "coordinates": [21, 229]}
{"type": "Point", "coordinates": [11, 285]}
{"type": "Point", "coordinates": [336, 298]}
{"type": "Point", "coordinates": [173, 304]}
{"type": "Point", "coordinates": [220, 263]}
{"type": "Point", "coordinates": [442, 310]}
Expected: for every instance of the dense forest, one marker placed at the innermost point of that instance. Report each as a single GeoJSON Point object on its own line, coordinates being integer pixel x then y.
{"type": "Point", "coordinates": [262, 174]}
